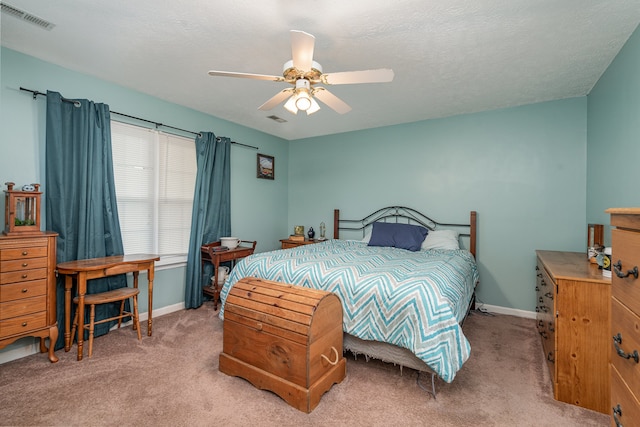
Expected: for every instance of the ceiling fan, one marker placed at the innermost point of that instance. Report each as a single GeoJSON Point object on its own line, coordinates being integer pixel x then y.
{"type": "Point", "coordinates": [304, 74]}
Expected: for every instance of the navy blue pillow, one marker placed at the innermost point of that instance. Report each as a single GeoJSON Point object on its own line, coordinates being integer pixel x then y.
{"type": "Point", "coordinates": [404, 236]}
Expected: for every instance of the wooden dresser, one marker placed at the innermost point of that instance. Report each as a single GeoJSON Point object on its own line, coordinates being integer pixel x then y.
{"type": "Point", "coordinates": [624, 339]}
{"type": "Point", "coordinates": [573, 320]}
{"type": "Point", "coordinates": [28, 289]}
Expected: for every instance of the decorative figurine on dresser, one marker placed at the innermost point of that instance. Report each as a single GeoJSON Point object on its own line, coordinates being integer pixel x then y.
{"type": "Point", "coordinates": [27, 265]}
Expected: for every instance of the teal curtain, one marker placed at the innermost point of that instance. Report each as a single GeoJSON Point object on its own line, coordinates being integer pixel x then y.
{"type": "Point", "coordinates": [80, 194]}
{"type": "Point", "coordinates": [211, 214]}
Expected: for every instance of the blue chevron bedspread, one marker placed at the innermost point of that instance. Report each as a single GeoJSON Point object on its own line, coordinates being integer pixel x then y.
{"type": "Point", "coordinates": [414, 300]}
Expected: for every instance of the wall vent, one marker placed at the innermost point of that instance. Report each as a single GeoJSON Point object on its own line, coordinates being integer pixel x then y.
{"type": "Point", "coordinates": [25, 16]}
{"type": "Point", "coordinates": [277, 119]}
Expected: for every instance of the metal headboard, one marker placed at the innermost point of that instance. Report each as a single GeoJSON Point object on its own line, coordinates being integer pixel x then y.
{"type": "Point", "coordinates": [402, 214]}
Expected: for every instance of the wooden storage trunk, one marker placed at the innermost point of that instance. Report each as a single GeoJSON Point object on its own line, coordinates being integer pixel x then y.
{"type": "Point", "coordinates": [283, 338]}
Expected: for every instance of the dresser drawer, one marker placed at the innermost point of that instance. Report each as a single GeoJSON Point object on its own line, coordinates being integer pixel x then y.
{"type": "Point", "coordinates": [23, 324]}
{"type": "Point", "coordinates": [623, 399]}
{"type": "Point", "coordinates": [21, 290]}
{"type": "Point", "coordinates": [626, 324]}
{"type": "Point", "coordinates": [626, 249]}
{"type": "Point", "coordinates": [22, 264]}
{"type": "Point", "coordinates": [23, 252]}
{"type": "Point", "coordinates": [20, 307]}
{"type": "Point", "coordinates": [22, 276]}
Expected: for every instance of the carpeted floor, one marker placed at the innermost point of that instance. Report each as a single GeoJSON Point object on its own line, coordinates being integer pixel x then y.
{"type": "Point", "coordinates": [172, 379]}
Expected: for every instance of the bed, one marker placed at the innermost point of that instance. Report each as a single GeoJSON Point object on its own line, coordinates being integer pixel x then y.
{"type": "Point", "coordinates": [401, 304]}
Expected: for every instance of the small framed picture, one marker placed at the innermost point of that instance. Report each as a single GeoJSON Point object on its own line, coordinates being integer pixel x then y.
{"type": "Point", "coordinates": [266, 165]}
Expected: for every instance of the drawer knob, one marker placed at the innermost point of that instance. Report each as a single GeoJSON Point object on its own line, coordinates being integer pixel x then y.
{"type": "Point", "coordinates": [617, 267]}
{"type": "Point", "coordinates": [25, 253]}
{"type": "Point", "coordinates": [24, 276]}
{"type": "Point", "coordinates": [24, 264]}
{"type": "Point", "coordinates": [617, 412]}
{"type": "Point", "coordinates": [25, 290]}
{"type": "Point", "coordinates": [24, 323]}
{"type": "Point", "coordinates": [617, 340]}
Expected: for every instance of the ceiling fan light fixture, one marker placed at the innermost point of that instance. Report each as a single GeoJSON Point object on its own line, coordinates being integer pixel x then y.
{"type": "Point", "coordinates": [303, 100]}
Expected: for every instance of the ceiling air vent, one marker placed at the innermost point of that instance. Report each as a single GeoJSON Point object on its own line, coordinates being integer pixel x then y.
{"type": "Point", "coordinates": [276, 119]}
{"type": "Point", "coordinates": [21, 14]}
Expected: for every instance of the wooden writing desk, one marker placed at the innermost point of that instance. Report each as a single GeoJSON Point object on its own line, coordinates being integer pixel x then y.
{"type": "Point", "coordinates": [207, 253]}
{"type": "Point", "coordinates": [96, 268]}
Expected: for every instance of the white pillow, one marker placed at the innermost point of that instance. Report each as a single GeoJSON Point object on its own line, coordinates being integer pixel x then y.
{"type": "Point", "coordinates": [441, 239]}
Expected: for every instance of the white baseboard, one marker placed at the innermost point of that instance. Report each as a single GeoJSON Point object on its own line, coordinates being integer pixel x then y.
{"type": "Point", "coordinates": [162, 311]}
{"type": "Point", "coordinates": [20, 352]}
{"type": "Point", "coordinates": [505, 310]}
{"type": "Point", "coordinates": [33, 348]}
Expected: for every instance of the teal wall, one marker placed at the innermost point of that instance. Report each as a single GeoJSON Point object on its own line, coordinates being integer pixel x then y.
{"type": "Point", "coordinates": [613, 147]}
{"type": "Point", "coordinates": [522, 169]}
{"type": "Point", "coordinates": [258, 206]}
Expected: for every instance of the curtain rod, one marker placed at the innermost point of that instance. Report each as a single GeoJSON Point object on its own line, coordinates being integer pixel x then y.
{"type": "Point", "coordinates": [77, 104]}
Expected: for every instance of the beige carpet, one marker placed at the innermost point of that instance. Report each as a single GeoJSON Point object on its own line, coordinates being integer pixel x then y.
{"type": "Point", "coordinates": [172, 379]}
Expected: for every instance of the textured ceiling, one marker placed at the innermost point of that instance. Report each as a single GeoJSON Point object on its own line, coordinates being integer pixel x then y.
{"type": "Point", "coordinates": [449, 56]}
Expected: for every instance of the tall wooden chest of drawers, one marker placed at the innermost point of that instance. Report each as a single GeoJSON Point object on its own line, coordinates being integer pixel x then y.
{"type": "Point", "coordinates": [572, 313]}
{"type": "Point", "coordinates": [625, 317]}
{"type": "Point", "coordinates": [28, 289]}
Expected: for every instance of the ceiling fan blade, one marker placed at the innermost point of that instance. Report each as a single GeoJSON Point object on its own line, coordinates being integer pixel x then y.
{"type": "Point", "coordinates": [276, 99]}
{"type": "Point", "coordinates": [335, 103]}
{"type": "Point", "coordinates": [246, 76]}
{"type": "Point", "coordinates": [302, 45]}
{"type": "Point", "coordinates": [381, 75]}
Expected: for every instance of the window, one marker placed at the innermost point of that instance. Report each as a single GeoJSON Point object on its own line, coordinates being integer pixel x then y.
{"type": "Point", "coordinates": [155, 175]}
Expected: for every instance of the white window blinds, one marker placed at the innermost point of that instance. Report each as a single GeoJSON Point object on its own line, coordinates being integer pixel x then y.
{"type": "Point", "coordinates": [155, 176]}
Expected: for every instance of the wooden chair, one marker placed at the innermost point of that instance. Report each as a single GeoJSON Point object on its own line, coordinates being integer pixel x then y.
{"type": "Point", "coordinates": [91, 300]}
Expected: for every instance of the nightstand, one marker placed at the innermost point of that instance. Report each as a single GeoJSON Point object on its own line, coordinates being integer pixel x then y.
{"type": "Point", "coordinates": [209, 254]}
{"type": "Point", "coordinates": [286, 243]}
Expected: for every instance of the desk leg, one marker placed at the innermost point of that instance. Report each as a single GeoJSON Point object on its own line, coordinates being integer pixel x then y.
{"type": "Point", "coordinates": [68, 285]}
{"type": "Point", "coordinates": [150, 273]}
{"type": "Point", "coordinates": [82, 290]}
{"type": "Point", "coordinates": [135, 285]}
